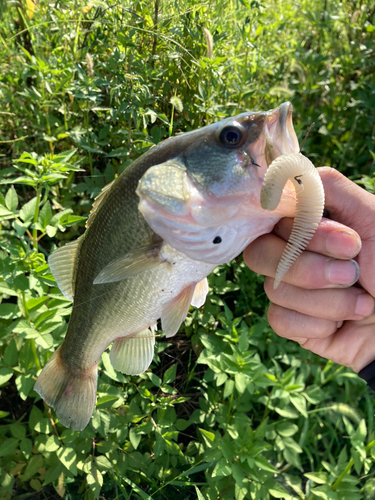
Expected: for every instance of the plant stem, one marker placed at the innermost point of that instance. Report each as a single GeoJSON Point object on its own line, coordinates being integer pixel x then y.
{"type": "Point", "coordinates": [36, 215]}
{"type": "Point", "coordinates": [171, 122]}
{"type": "Point", "coordinates": [32, 341]}
{"type": "Point", "coordinates": [348, 468]}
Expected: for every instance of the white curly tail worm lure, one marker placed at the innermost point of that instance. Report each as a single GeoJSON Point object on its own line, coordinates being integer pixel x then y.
{"type": "Point", "coordinates": [309, 203]}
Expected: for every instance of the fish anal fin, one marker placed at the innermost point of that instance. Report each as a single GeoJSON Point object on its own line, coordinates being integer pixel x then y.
{"type": "Point", "coordinates": [134, 262]}
{"type": "Point", "coordinates": [200, 293]}
{"type": "Point", "coordinates": [97, 202]}
{"type": "Point", "coordinates": [132, 355]}
{"type": "Point", "coordinates": [62, 263]}
{"type": "Point", "coordinates": [71, 393]}
{"type": "Point", "coordinates": [175, 311]}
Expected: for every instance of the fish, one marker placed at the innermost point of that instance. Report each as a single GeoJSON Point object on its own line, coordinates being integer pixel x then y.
{"type": "Point", "coordinates": [154, 235]}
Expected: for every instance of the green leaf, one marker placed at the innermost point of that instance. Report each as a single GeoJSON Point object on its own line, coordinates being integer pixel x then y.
{"type": "Point", "coordinates": [200, 496]}
{"type": "Point", "coordinates": [324, 492]}
{"type": "Point", "coordinates": [45, 215]}
{"type": "Point", "coordinates": [11, 199]}
{"type": "Point", "coordinates": [35, 463]}
{"type": "Point", "coordinates": [6, 290]}
{"type": "Point", "coordinates": [134, 437]}
{"type": "Point", "coordinates": [361, 432]}
{"type": "Point", "coordinates": [287, 412]}
{"type": "Point", "coordinates": [44, 426]}
{"type": "Point", "coordinates": [103, 463]}
{"type": "Point", "coordinates": [95, 481]}
{"type": "Point", "coordinates": [35, 416]}
{"type": "Point", "coordinates": [318, 477]}
{"type": "Point", "coordinates": [69, 220]}
{"type": "Point", "coordinates": [24, 384]}
{"type": "Point", "coordinates": [5, 375]}
{"type": "Point", "coordinates": [109, 370]}
{"type": "Point", "coordinates": [18, 431]}
{"type": "Point", "coordinates": [68, 457]}
{"type": "Point", "coordinates": [241, 380]}
{"type": "Point", "coordinates": [209, 435]}
{"type": "Point", "coordinates": [263, 464]}
{"type": "Point", "coordinates": [170, 374]}
{"type": "Point", "coordinates": [27, 212]}
{"type": "Point", "coordinates": [20, 227]}
{"type": "Point", "coordinates": [222, 468]}
{"type": "Point", "coordinates": [52, 444]}
{"type": "Point", "coordinates": [9, 311]}
{"type": "Point", "coordinates": [228, 388]}
{"type": "Point", "coordinates": [278, 491]}
{"type": "Point", "coordinates": [137, 489]}
{"type": "Point", "coordinates": [8, 447]}
{"type": "Point", "coordinates": [286, 429]}
{"type": "Point", "coordinates": [11, 354]}
{"type": "Point", "coordinates": [26, 446]}
{"type": "Point", "coordinates": [106, 401]}
{"type": "Point", "coordinates": [299, 402]}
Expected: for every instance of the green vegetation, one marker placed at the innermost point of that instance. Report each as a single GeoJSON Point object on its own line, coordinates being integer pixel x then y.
{"type": "Point", "coordinates": [229, 410]}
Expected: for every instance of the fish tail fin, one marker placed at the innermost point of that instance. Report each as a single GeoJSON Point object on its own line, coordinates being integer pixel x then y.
{"type": "Point", "coordinates": [71, 393]}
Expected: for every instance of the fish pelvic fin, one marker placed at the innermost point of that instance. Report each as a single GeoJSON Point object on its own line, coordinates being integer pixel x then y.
{"type": "Point", "coordinates": [133, 263]}
{"type": "Point", "coordinates": [175, 311]}
{"type": "Point", "coordinates": [200, 293]}
{"type": "Point", "coordinates": [62, 263]}
{"type": "Point", "coordinates": [132, 355]}
{"type": "Point", "coordinates": [72, 394]}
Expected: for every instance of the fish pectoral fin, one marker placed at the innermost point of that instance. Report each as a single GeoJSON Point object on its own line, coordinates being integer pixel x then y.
{"type": "Point", "coordinates": [134, 262]}
{"type": "Point", "coordinates": [132, 355]}
{"type": "Point", "coordinates": [62, 263]}
{"type": "Point", "coordinates": [200, 293]}
{"type": "Point", "coordinates": [175, 311]}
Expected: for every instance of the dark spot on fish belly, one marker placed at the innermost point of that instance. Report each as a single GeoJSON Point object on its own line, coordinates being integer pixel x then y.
{"type": "Point", "coordinates": [217, 240]}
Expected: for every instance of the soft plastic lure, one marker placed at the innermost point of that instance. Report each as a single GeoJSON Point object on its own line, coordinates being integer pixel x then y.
{"type": "Point", "coordinates": [309, 203]}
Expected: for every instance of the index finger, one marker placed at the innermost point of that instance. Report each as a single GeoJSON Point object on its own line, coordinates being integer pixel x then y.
{"type": "Point", "coordinates": [331, 238]}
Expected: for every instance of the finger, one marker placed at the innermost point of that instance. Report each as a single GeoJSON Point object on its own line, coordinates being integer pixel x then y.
{"type": "Point", "coordinates": [299, 327]}
{"type": "Point", "coordinates": [348, 203]}
{"type": "Point", "coordinates": [310, 270]}
{"type": "Point", "coordinates": [330, 304]}
{"type": "Point", "coordinates": [351, 205]}
{"type": "Point", "coordinates": [351, 345]}
{"type": "Point", "coordinates": [331, 238]}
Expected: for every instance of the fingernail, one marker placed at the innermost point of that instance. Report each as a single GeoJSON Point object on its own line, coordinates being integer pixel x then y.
{"type": "Point", "coordinates": [343, 243]}
{"type": "Point", "coordinates": [365, 305]}
{"type": "Point", "coordinates": [343, 272]}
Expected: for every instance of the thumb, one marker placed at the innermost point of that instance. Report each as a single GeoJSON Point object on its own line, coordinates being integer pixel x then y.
{"type": "Point", "coordinates": [348, 203]}
{"type": "Point", "coordinates": [351, 205]}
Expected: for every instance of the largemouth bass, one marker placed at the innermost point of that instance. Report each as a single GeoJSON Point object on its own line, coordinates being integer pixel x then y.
{"type": "Point", "coordinates": [153, 235]}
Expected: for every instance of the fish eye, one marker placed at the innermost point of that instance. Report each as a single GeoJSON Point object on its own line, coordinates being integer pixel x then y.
{"type": "Point", "coordinates": [231, 136]}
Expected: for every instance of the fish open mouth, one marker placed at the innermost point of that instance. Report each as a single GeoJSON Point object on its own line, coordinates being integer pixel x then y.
{"type": "Point", "coordinates": [280, 136]}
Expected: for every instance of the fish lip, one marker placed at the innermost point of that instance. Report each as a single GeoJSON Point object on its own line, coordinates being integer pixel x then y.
{"type": "Point", "coordinates": [279, 131]}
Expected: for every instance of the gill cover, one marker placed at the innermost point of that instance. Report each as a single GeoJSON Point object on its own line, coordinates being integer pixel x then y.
{"type": "Point", "coordinates": [309, 206]}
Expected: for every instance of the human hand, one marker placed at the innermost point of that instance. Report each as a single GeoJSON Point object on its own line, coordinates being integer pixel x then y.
{"type": "Point", "coordinates": [320, 303]}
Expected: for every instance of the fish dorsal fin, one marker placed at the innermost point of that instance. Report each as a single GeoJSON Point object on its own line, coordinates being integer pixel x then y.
{"type": "Point", "coordinates": [175, 311]}
{"type": "Point", "coordinates": [62, 263]}
{"type": "Point", "coordinates": [132, 355]}
{"type": "Point", "coordinates": [97, 202]}
{"type": "Point", "coordinates": [200, 293]}
{"type": "Point", "coordinates": [134, 262]}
